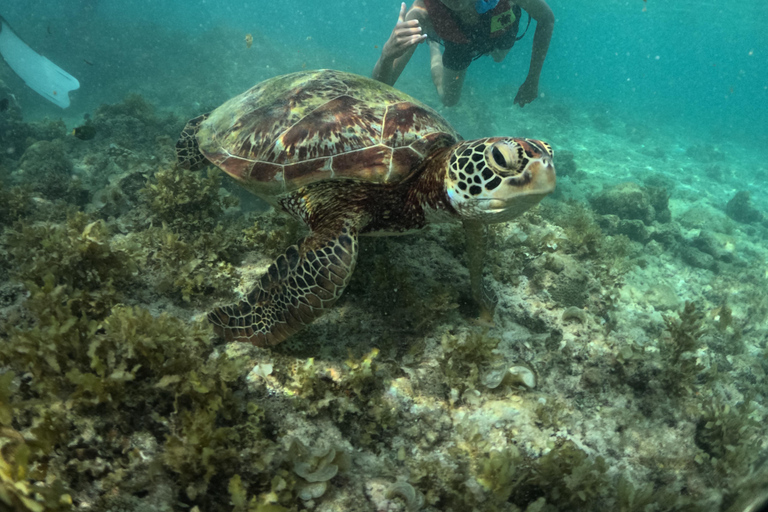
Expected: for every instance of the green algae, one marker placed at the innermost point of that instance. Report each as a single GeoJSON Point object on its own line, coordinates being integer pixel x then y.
{"type": "Point", "coordinates": [15, 203]}
{"type": "Point", "coordinates": [77, 255]}
{"type": "Point", "coordinates": [185, 200]}
{"type": "Point", "coordinates": [683, 337]}
{"type": "Point", "coordinates": [143, 373]}
{"type": "Point", "coordinates": [25, 486]}
{"type": "Point", "coordinates": [465, 357]}
{"type": "Point", "coordinates": [188, 266]}
{"type": "Point", "coordinates": [90, 363]}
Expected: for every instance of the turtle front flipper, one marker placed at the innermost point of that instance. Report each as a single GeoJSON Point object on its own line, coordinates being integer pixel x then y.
{"type": "Point", "coordinates": [188, 153]}
{"type": "Point", "coordinates": [477, 240]}
{"type": "Point", "coordinates": [302, 284]}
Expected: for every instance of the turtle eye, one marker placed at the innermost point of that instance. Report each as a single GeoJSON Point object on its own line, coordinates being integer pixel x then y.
{"type": "Point", "coordinates": [498, 157]}
{"type": "Point", "coordinates": [504, 157]}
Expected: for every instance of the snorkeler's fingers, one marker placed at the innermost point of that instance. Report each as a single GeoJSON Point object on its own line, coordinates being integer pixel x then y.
{"type": "Point", "coordinates": [408, 24]}
{"type": "Point", "coordinates": [401, 18]}
{"type": "Point", "coordinates": [411, 40]}
{"type": "Point", "coordinates": [408, 31]}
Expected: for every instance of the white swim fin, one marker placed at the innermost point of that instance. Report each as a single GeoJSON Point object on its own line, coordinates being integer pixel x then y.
{"type": "Point", "coordinates": [43, 76]}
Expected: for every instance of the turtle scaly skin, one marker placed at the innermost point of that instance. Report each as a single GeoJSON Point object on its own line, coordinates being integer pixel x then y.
{"type": "Point", "coordinates": [349, 156]}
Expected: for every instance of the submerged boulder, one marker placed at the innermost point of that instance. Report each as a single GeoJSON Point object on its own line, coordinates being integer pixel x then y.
{"type": "Point", "coordinates": [740, 209]}
{"type": "Point", "coordinates": [630, 201]}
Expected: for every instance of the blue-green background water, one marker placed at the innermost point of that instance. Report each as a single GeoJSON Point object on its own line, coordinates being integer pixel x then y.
{"type": "Point", "coordinates": [696, 66]}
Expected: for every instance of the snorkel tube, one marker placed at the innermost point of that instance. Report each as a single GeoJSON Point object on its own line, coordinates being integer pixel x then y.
{"type": "Point", "coordinates": [483, 6]}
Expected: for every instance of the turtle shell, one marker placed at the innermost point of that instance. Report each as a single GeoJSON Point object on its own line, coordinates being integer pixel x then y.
{"type": "Point", "coordinates": [294, 130]}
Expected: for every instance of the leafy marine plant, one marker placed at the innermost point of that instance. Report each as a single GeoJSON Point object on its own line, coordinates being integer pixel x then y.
{"type": "Point", "coordinates": [25, 485]}
{"type": "Point", "coordinates": [499, 472]}
{"type": "Point", "coordinates": [465, 357]}
{"type": "Point", "coordinates": [77, 255]}
{"type": "Point", "coordinates": [17, 490]}
{"type": "Point", "coordinates": [728, 435]}
{"type": "Point", "coordinates": [89, 365]}
{"type": "Point", "coordinates": [15, 202]}
{"type": "Point", "coordinates": [679, 344]}
{"type": "Point", "coordinates": [190, 266]}
{"type": "Point", "coordinates": [150, 375]}
{"type": "Point", "coordinates": [566, 476]}
{"type": "Point", "coordinates": [186, 246]}
{"type": "Point", "coordinates": [184, 200]}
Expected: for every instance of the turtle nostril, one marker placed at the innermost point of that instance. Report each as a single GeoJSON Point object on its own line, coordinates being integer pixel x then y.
{"type": "Point", "coordinates": [498, 157]}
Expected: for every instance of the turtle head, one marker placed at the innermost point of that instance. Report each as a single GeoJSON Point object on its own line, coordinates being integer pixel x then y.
{"type": "Point", "coordinates": [498, 178]}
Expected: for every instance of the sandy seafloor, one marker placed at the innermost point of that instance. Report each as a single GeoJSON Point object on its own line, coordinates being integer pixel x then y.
{"type": "Point", "coordinates": [595, 389]}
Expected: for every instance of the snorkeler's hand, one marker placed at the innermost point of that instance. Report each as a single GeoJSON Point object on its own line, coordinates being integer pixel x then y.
{"type": "Point", "coordinates": [528, 92]}
{"type": "Point", "coordinates": [405, 35]}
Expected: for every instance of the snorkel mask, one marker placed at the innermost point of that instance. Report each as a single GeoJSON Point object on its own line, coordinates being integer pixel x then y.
{"type": "Point", "coordinates": [483, 6]}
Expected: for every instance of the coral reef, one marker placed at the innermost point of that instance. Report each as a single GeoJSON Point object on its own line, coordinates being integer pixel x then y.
{"type": "Point", "coordinates": [625, 368]}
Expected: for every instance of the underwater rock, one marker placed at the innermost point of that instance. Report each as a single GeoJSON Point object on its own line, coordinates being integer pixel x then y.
{"type": "Point", "coordinates": [574, 313]}
{"type": "Point", "coordinates": [11, 141]}
{"type": "Point", "coordinates": [45, 158]}
{"type": "Point", "coordinates": [566, 166]}
{"type": "Point", "coordinates": [634, 229]}
{"type": "Point", "coordinates": [706, 217]}
{"type": "Point", "coordinates": [668, 235]}
{"type": "Point", "coordinates": [740, 209]}
{"type": "Point", "coordinates": [707, 242]}
{"type": "Point", "coordinates": [705, 153]}
{"type": "Point", "coordinates": [568, 291]}
{"type": "Point", "coordinates": [659, 197]}
{"type": "Point", "coordinates": [122, 193]}
{"type": "Point", "coordinates": [16, 135]}
{"type": "Point", "coordinates": [698, 259]}
{"type": "Point", "coordinates": [608, 222]}
{"type": "Point", "coordinates": [630, 201]}
{"type": "Point", "coordinates": [132, 123]}
{"type": "Point", "coordinates": [46, 167]}
{"type": "Point", "coordinates": [662, 297]}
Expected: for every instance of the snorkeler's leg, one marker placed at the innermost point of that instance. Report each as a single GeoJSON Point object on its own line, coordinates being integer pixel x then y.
{"type": "Point", "coordinates": [452, 82]}
{"type": "Point", "coordinates": [448, 82]}
{"type": "Point", "coordinates": [436, 66]}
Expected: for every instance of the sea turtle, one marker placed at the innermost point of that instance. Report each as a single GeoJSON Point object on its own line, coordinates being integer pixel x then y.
{"type": "Point", "coordinates": [350, 156]}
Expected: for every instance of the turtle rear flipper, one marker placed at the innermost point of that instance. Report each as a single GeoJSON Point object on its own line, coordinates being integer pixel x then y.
{"type": "Point", "coordinates": [301, 285]}
{"type": "Point", "coordinates": [188, 153]}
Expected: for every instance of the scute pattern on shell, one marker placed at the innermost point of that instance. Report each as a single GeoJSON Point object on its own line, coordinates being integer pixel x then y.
{"type": "Point", "coordinates": [293, 130]}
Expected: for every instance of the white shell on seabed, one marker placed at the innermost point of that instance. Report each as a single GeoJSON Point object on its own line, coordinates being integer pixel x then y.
{"type": "Point", "coordinates": [519, 375]}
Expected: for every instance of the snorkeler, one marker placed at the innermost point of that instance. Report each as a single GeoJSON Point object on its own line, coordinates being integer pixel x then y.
{"type": "Point", "coordinates": [467, 29]}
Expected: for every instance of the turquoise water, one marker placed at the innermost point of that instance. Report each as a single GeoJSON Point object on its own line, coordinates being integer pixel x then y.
{"type": "Point", "coordinates": [697, 66]}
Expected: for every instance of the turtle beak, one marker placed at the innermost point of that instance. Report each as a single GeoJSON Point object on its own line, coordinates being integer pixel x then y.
{"type": "Point", "coordinates": [543, 176]}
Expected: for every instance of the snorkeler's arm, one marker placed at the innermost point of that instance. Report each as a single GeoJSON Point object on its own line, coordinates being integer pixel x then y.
{"type": "Point", "coordinates": [545, 22]}
{"type": "Point", "coordinates": [399, 48]}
